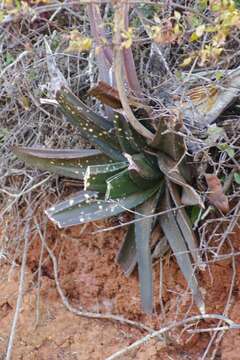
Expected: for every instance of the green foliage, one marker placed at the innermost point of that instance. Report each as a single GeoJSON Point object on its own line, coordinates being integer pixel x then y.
{"type": "Point", "coordinates": [228, 149]}
{"type": "Point", "coordinates": [237, 178]}
{"type": "Point", "coordinates": [69, 163]}
{"type": "Point", "coordinates": [128, 172]}
{"type": "Point", "coordinates": [8, 59]}
{"type": "Point", "coordinates": [128, 176]}
{"type": "Point", "coordinates": [194, 212]}
{"type": "Point", "coordinates": [237, 2]}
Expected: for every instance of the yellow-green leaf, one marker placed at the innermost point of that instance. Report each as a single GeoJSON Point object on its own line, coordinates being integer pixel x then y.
{"type": "Point", "coordinates": [186, 62]}
{"type": "Point", "coordinates": [194, 37]}
{"type": "Point", "coordinates": [237, 178]}
{"type": "Point", "coordinates": [78, 42]}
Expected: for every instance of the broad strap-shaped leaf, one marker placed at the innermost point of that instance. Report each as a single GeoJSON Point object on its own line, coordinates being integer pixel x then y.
{"type": "Point", "coordinates": [170, 169]}
{"type": "Point", "coordinates": [130, 140]}
{"type": "Point", "coordinates": [68, 162]}
{"type": "Point", "coordinates": [184, 222]}
{"type": "Point", "coordinates": [71, 102]}
{"type": "Point", "coordinates": [92, 126]}
{"type": "Point", "coordinates": [124, 135]}
{"type": "Point", "coordinates": [76, 200]}
{"type": "Point", "coordinates": [127, 255]}
{"type": "Point", "coordinates": [121, 185]}
{"type": "Point", "coordinates": [177, 243]}
{"type": "Point", "coordinates": [77, 211]}
{"type": "Point", "coordinates": [143, 229]}
{"type": "Point", "coordinates": [96, 176]}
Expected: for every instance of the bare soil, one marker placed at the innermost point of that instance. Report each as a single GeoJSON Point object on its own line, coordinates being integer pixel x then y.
{"type": "Point", "coordinates": [91, 279]}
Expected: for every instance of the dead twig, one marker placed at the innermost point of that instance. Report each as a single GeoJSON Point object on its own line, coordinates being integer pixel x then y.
{"type": "Point", "coordinates": [20, 289]}
{"type": "Point", "coordinates": [231, 325]}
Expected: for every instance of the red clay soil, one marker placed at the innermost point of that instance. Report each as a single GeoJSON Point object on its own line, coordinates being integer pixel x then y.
{"type": "Point", "coordinates": [91, 279]}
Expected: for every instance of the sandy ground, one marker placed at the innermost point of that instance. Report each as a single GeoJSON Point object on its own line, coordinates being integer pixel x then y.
{"type": "Point", "coordinates": [90, 278]}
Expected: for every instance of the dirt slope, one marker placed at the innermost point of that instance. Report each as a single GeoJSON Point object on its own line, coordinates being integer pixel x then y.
{"type": "Point", "coordinates": [90, 278]}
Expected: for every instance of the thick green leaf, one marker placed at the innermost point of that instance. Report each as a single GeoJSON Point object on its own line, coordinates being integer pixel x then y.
{"type": "Point", "coordinates": [72, 103]}
{"type": "Point", "coordinates": [184, 223]}
{"type": "Point", "coordinates": [121, 185]}
{"type": "Point", "coordinates": [143, 231]}
{"type": "Point", "coordinates": [69, 163]}
{"type": "Point", "coordinates": [142, 172]}
{"type": "Point", "coordinates": [170, 169]}
{"type": "Point", "coordinates": [146, 169]}
{"type": "Point", "coordinates": [177, 243]}
{"type": "Point", "coordinates": [97, 175]}
{"type": "Point", "coordinates": [77, 211]}
{"type": "Point", "coordinates": [127, 255]}
{"type": "Point", "coordinates": [130, 140]}
{"type": "Point", "coordinates": [92, 126]}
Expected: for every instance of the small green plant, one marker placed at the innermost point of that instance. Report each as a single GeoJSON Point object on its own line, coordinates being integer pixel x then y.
{"type": "Point", "coordinates": [126, 173]}
{"type": "Point", "coordinates": [147, 176]}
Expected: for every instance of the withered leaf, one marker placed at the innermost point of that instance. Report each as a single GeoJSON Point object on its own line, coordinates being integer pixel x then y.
{"type": "Point", "coordinates": [216, 195]}
{"type": "Point", "coordinates": [108, 95]}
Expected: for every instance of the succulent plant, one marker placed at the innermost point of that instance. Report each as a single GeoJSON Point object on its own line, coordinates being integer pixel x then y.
{"type": "Point", "coordinates": [126, 172]}
{"type": "Point", "coordinates": [148, 176]}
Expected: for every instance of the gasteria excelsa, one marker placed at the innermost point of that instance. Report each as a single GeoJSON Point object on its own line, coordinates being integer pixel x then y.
{"type": "Point", "coordinates": [126, 171]}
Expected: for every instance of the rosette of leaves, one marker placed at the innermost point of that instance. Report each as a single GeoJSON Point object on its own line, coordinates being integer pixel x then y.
{"type": "Point", "coordinates": [126, 172]}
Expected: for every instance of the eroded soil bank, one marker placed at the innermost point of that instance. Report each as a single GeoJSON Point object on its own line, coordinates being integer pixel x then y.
{"type": "Point", "coordinates": [91, 279]}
